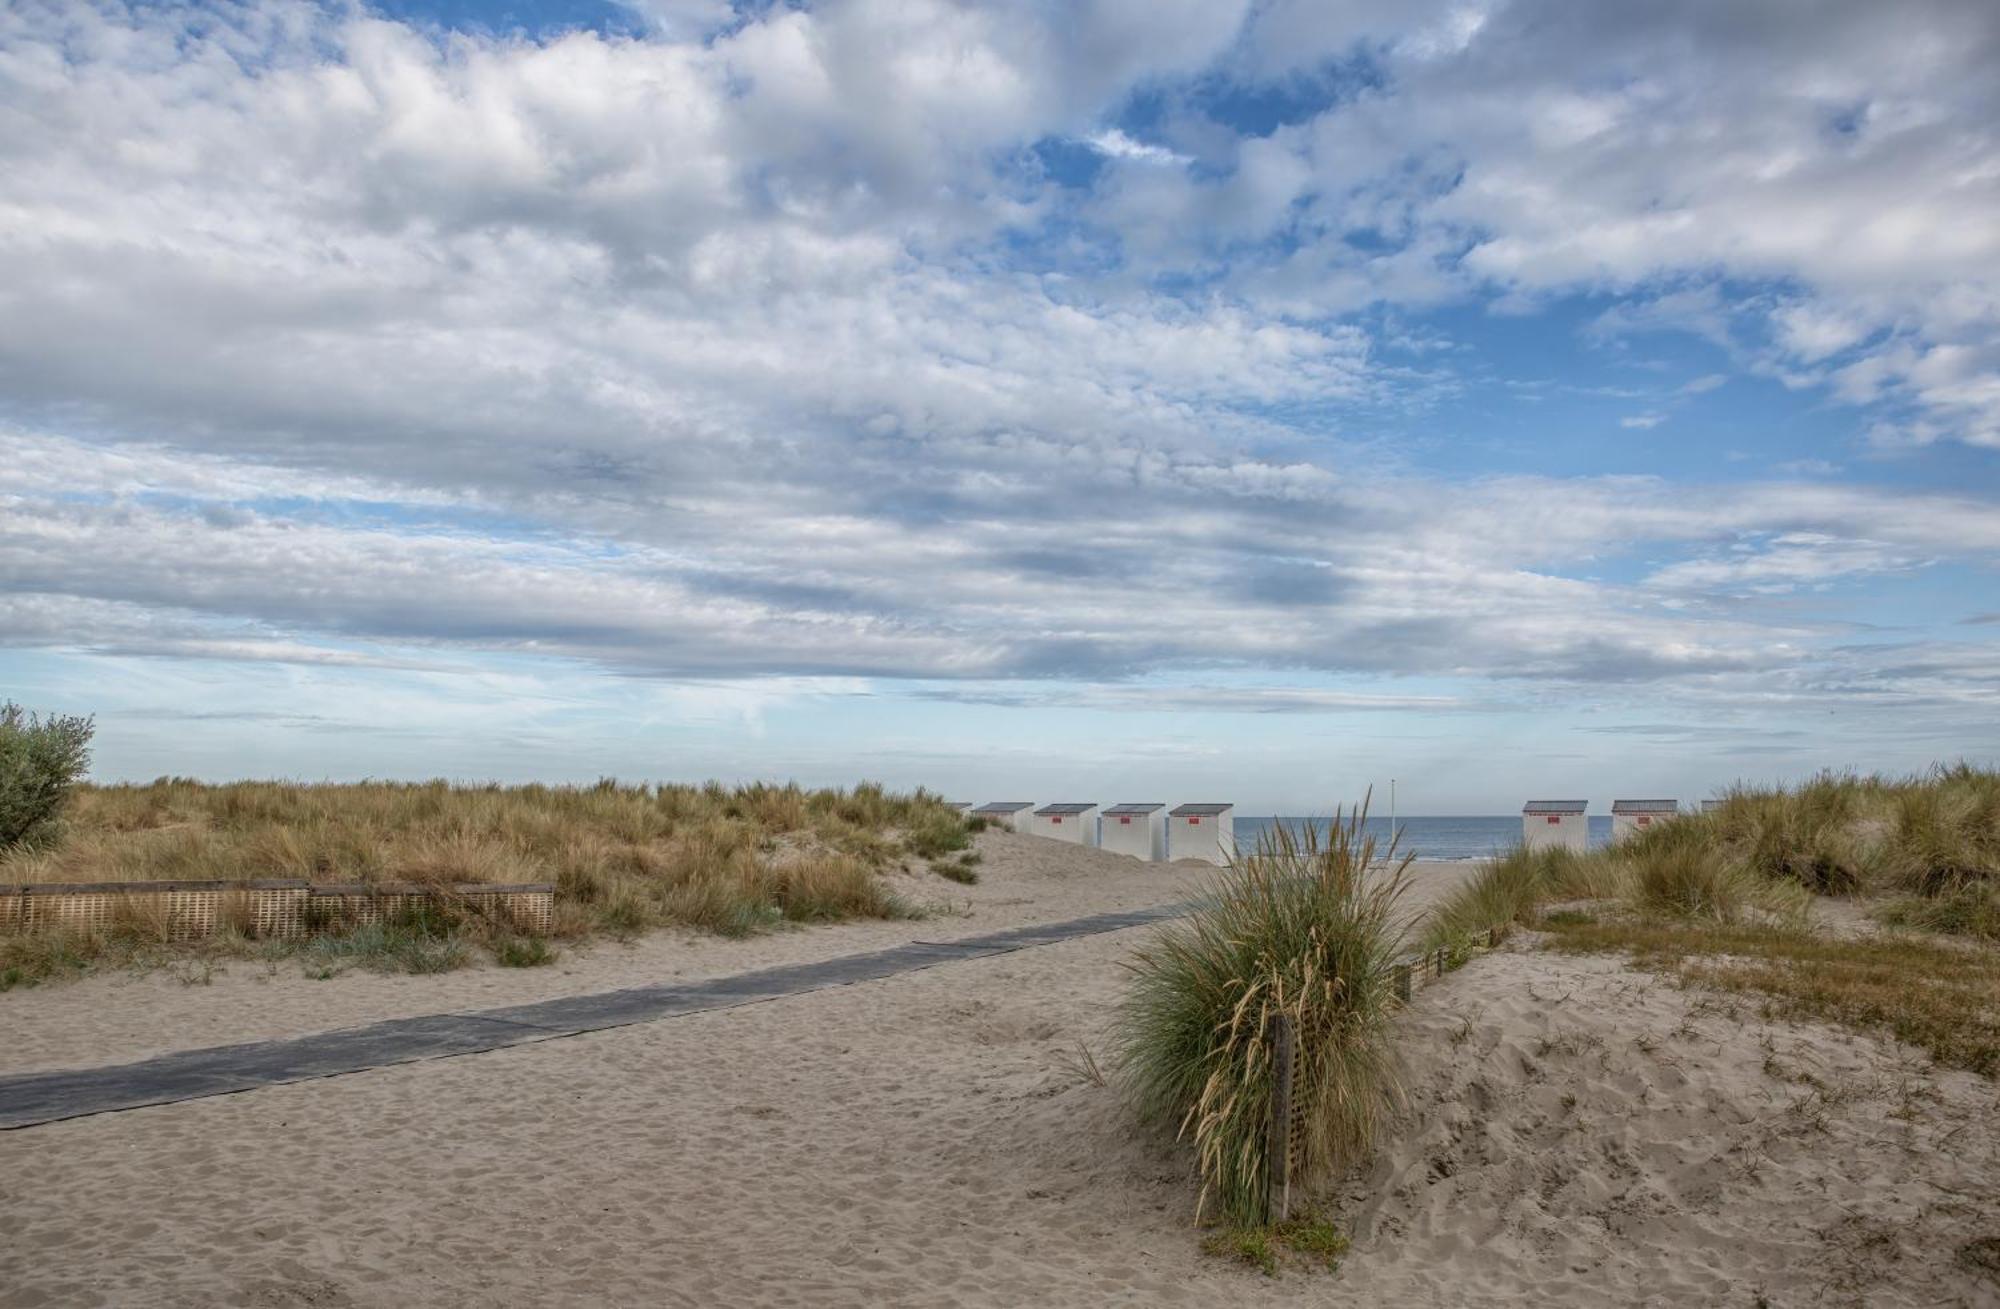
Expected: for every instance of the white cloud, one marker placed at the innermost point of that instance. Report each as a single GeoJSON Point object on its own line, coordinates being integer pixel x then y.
{"type": "Point", "coordinates": [325, 341]}
{"type": "Point", "coordinates": [1117, 145]}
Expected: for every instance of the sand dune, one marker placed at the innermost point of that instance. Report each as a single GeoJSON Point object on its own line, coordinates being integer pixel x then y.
{"type": "Point", "coordinates": [934, 1140]}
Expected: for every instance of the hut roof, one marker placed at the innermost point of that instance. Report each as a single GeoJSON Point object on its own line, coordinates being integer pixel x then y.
{"type": "Point", "coordinates": [1645, 806]}
{"type": "Point", "coordinates": [1128, 810]}
{"type": "Point", "coordinates": [1199, 810]}
{"type": "Point", "coordinates": [1063, 810]}
{"type": "Point", "coordinates": [1555, 806]}
{"type": "Point", "coordinates": [1004, 806]}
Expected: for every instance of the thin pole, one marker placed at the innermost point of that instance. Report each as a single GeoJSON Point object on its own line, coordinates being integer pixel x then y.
{"type": "Point", "coordinates": [1278, 1134]}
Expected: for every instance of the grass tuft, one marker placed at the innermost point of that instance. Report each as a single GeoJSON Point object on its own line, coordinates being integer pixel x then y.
{"type": "Point", "coordinates": [1965, 911]}
{"type": "Point", "coordinates": [523, 952]}
{"type": "Point", "coordinates": [1297, 928]}
{"type": "Point", "coordinates": [1309, 1240]}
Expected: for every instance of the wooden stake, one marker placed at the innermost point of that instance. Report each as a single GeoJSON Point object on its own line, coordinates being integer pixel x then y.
{"type": "Point", "coordinates": [1278, 1140]}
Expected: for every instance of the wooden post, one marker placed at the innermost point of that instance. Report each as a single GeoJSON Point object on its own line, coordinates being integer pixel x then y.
{"type": "Point", "coordinates": [1278, 1137]}
{"type": "Point", "coordinates": [1495, 935]}
{"type": "Point", "coordinates": [1400, 975]}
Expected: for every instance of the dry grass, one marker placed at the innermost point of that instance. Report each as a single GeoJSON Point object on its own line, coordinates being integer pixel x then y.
{"type": "Point", "coordinates": [1762, 854]}
{"type": "Point", "coordinates": [1942, 997]}
{"type": "Point", "coordinates": [1722, 899]}
{"type": "Point", "coordinates": [624, 859]}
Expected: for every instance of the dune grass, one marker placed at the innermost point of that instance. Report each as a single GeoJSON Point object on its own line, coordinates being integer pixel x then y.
{"type": "Point", "coordinates": [1511, 888]}
{"type": "Point", "coordinates": [1309, 1240]}
{"type": "Point", "coordinates": [1937, 995]}
{"type": "Point", "coordinates": [1722, 900]}
{"type": "Point", "coordinates": [1300, 928]}
{"type": "Point", "coordinates": [1933, 840]}
{"type": "Point", "coordinates": [624, 858]}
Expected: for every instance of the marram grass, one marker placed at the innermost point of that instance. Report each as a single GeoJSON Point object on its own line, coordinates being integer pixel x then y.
{"type": "Point", "coordinates": [1762, 854]}
{"type": "Point", "coordinates": [623, 858]}
{"type": "Point", "coordinates": [1305, 926]}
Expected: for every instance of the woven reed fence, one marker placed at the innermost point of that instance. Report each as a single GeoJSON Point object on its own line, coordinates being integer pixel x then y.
{"type": "Point", "coordinates": [279, 910]}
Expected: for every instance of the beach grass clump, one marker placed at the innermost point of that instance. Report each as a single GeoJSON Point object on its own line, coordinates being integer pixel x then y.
{"type": "Point", "coordinates": [524, 952]}
{"type": "Point", "coordinates": [935, 835]}
{"type": "Point", "coordinates": [1693, 880]}
{"type": "Point", "coordinates": [1839, 834]}
{"type": "Point", "coordinates": [1299, 928]}
{"type": "Point", "coordinates": [964, 870]}
{"type": "Point", "coordinates": [1513, 887]}
{"type": "Point", "coordinates": [1971, 910]}
{"type": "Point", "coordinates": [42, 760]}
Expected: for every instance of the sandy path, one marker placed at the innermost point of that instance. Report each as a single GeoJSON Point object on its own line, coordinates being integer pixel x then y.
{"type": "Point", "coordinates": [928, 1140]}
{"type": "Point", "coordinates": [118, 1017]}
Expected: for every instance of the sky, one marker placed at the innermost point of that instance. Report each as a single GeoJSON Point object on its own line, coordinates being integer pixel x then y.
{"type": "Point", "coordinates": [1128, 400]}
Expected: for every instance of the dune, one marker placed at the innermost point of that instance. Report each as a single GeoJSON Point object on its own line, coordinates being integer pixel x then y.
{"type": "Point", "coordinates": [1575, 1133]}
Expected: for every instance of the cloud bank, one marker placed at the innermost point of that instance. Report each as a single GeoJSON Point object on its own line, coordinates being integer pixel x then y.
{"type": "Point", "coordinates": [993, 346]}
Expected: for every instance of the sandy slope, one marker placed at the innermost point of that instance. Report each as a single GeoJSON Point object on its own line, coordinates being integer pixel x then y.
{"type": "Point", "coordinates": [930, 1140]}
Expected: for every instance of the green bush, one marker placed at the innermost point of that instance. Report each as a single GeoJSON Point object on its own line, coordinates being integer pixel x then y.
{"type": "Point", "coordinates": [1297, 928]}
{"type": "Point", "coordinates": [41, 761]}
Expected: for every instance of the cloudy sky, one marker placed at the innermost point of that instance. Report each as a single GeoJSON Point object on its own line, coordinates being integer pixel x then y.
{"type": "Point", "coordinates": [1133, 399]}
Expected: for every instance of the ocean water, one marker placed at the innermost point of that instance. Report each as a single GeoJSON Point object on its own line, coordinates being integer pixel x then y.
{"type": "Point", "coordinates": [1430, 838]}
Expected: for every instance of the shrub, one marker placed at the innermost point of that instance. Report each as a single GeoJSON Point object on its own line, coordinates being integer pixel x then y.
{"type": "Point", "coordinates": [41, 761]}
{"type": "Point", "coordinates": [1297, 928]}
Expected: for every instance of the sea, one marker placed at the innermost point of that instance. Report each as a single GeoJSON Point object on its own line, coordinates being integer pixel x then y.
{"type": "Point", "coordinates": [1429, 838]}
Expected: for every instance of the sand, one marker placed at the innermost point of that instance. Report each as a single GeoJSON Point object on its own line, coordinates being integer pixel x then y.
{"type": "Point", "coordinates": [935, 1139]}
{"type": "Point", "coordinates": [116, 1017]}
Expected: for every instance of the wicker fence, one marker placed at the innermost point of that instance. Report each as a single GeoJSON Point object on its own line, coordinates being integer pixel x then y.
{"type": "Point", "coordinates": [273, 910]}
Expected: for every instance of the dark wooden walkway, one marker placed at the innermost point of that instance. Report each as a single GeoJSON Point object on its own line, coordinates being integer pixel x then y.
{"type": "Point", "coordinates": [32, 1099]}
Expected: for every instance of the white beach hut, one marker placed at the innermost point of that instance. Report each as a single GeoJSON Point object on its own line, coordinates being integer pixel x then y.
{"type": "Point", "coordinates": [1139, 830]}
{"type": "Point", "coordinates": [1548, 823]}
{"type": "Point", "coordinates": [1629, 817]}
{"type": "Point", "coordinates": [1010, 814]}
{"type": "Point", "coordinates": [1202, 831]}
{"type": "Point", "coordinates": [1072, 822]}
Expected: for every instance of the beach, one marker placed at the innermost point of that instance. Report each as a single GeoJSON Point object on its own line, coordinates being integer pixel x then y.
{"type": "Point", "coordinates": [1576, 1133]}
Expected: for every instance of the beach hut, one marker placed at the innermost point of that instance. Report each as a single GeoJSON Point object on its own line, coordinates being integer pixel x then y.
{"type": "Point", "coordinates": [1202, 831]}
{"type": "Point", "coordinates": [1139, 830]}
{"type": "Point", "coordinates": [1710, 806]}
{"type": "Point", "coordinates": [1548, 823]}
{"type": "Point", "coordinates": [1629, 817]}
{"type": "Point", "coordinates": [1072, 822]}
{"type": "Point", "coordinates": [1010, 814]}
